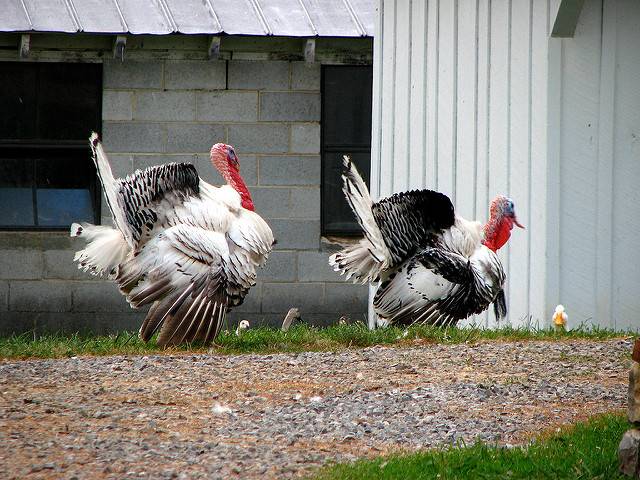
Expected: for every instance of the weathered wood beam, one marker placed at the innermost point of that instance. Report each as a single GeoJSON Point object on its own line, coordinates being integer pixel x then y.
{"type": "Point", "coordinates": [25, 45]}
{"type": "Point", "coordinates": [214, 48]}
{"type": "Point", "coordinates": [119, 45]}
{"type": "Point", "coordinates": [310, 50]}
{"type": "Point", "coordinates": [567, 17]}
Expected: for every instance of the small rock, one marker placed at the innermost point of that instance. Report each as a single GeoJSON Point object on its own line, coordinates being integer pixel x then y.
{"type": "Point", "coordinates": [633, 411]}
{"type": "Point", "coordinates": [629, 453]}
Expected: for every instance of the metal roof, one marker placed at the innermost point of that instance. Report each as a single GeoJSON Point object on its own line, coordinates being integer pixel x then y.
{"type": "Point", "coordinates": [291, 18]}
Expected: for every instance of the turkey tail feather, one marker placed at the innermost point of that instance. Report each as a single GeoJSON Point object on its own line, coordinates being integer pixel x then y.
{"type": "Point", "coordinates": [369, 257]}
{"type": "Point", "coordinates": [500, 306]}
{"type": "Point", "coordinates": [107, 180]}
{"type": "Point", "coordinates": [185, 315]}
{"type": "Point", "coordinates": [105, 250]}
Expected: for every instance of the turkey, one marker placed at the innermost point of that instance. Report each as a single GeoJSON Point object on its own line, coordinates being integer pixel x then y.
{"type": "Point", "coordinates": [430, 265]}
{"type": "Point", "coordinates": [181, 245]}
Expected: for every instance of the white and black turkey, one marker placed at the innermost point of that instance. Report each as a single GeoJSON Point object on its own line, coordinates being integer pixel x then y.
{"type": "Point", "coordinates": [430, 265]}
{"type": "Point", "coordinates": [181, 245]}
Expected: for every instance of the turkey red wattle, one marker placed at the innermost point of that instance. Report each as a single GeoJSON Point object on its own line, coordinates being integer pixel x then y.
{"type": "Point", "coordinates": [226, 162]}
{"type": "Point", "coordinates": [498, 229]}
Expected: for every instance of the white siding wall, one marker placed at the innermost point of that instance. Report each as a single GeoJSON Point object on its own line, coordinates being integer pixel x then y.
{"type": "Point", "coordinates": [474, 99]}
{"type": "Point", "coordinates": [461, 96]}
{"type": "Point", "coordinates": [596, 158]}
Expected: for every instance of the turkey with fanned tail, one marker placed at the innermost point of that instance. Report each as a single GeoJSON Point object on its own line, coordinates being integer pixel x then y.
{"type": "Point", "coordinates": [429, 264]}
{"type": "Point", "coordinates": [181, 245]}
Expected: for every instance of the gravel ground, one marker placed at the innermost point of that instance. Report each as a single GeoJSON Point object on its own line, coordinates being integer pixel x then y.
{"type": "Point", "coordinates": [280, 416]}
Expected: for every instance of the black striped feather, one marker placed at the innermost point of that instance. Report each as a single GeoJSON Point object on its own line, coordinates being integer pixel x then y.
{"type": "Point", "coordinates": [140, 193]}
{"type": "Point", "coordinates": [412, 221]}
{"type": "Point", "coordinates": [413, 293]}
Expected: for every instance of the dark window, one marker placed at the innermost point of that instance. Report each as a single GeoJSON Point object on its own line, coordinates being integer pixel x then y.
{"type": "Point", "coordinates": [346, 130]}
{"type": "Point", "coordinates": [47, 180]}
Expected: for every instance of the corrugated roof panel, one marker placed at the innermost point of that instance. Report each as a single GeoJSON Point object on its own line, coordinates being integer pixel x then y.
{"type": "Point", "coordinates": [238, 17]}
{"type": "Point", "coordinates": [331, 18]}
{"type": "Point", "coordinates": [286, 17]}
{"type": "Point", "coordinates": [99, 16]}
{"type": "Point", "coordinates": [14, 17]}
{"type": "Point", "coordinates": [144, 16]}
{"type": "Point", "coordinates": [290, 18]}
{"type": "Point", "coordinates": [365, 11]}
{"type": "Point", "coordinates": [50, 16]}
{"type": "Point", "coordinates": [193, 16]}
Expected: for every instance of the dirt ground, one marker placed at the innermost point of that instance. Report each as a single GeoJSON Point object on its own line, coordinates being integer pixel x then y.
{"type": "Point", "coordinates": [275, 416]}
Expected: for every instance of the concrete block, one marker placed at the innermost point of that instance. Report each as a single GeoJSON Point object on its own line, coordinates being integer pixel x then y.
{"type": "Point", "coordinates": [187, 138]}
{"type": "Point", "coordinates": [283, 170]}
{"type": "Point", "coordinates": [121, 165]}
{"type": "Point", "coordinates": [21, 264]}
{"type": "Point", "coordinates": [305, 202]}
{"type": "Point", "coordinates": [195, 75]}
{"type": "Point", "coordinates": [133, 137]}
{"type": "Point", "coordinates": [280, 297]}
{"type": "Point", "coordinates": [39, 296]}
{"type": "Point", "coordinates": [249, 169]}
{"type": "Point", "coordinates": [122, 322]}
{"type": "Point", "coordinates": [253, 299]}
{"type": "Point", "coordinates": [16, 323]}
{"type": "Point", "coordinates": [280, 267]}
{"type": "Point", "coordinates": [227, 106]}
{"type": "Point", "coordinates": [272, 202]}
{"type": "Point", "coordinates": [290, 107]}
{"type": "Point", "coordinates": [346, 298]}
{"type": "Point", "coordinates": [258, 75]}
{"type": "Point", "coordinates": [140, 162]}
{"type": "Point", "coordinates": [259, 138]}
{"type": "Point", "coordinates": [117, 105]}
{"type": "Point", "coordinates": [305, 138]}
{"type": "Point", "coordinates": [4, 296]}
{"type": "Point", "coordinates": [98, 297]}
{"type": "Point", "coordinates": [296, 234]}
{"type": "Point", "coordinates": [46, 323]}
{"type": "Point", "coordinates": [165, 106]}
{"type": "Point", "coordinates": [59, 265]}
{"type": "Point", "coordinates": [132, 74]}
{"type": "Point", "coordinates": [305, 76]}
{"type": "Point", "coordinates": [314, 267]}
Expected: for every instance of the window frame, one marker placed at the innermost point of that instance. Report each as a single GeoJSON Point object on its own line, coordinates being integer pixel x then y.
{"type": "Point", "coordinates": [337, 148]}
{"type": "Point", "coordinates": [39, 145]}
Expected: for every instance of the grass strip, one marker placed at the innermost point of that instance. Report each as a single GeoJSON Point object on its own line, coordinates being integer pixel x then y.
{"type": "Point", "coordinates": [587, 450]}
{"type": "Point", "coordinates": [299, 338]}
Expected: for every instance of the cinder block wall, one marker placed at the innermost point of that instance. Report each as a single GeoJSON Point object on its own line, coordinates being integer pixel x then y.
{"type": "Point", "coordinates": [162, 110]}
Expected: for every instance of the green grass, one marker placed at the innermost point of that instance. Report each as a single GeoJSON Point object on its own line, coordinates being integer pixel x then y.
{"type": "Point", "coordinates": [269, 340]}
{"type": "Point", "coordinates": [587, 450]}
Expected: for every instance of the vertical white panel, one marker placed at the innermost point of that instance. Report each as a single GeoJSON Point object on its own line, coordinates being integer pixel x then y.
{"type": "Point", "coordinates": [418, 113]}
{"type": "Point", "coordinates": [626, 167]}
{"type": "Point", "coordinates": [431, 105]}
{"type": "Point", "coordinates": [604, 192]}
{"type": "Point", "coordinates": [481, 211]}
{"type": "Point", "coordinates": [402, 92]}
{"type": "Point", "coordinates": [537, 225]}
{"type": "Point", "coordinates": [578, 165]}
{"type": "Point", "coordinates": [447, 89]}
{"type": "Point", "coordinates": [376, 126]}
{"type": "Point", "coordinates": [499, 108]}
{"type": "Point", "coordinates": [519, 157]}
{"type": "Point", "coordinates": [376, 109]}
{"type": "Point", "coordinates": [387, 92]}
{"type": "Point", "coordinates": [466, 177]}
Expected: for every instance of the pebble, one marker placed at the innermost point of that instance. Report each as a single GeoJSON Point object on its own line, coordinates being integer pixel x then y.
{"type": "Point", "coordinates": [281, 416]}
